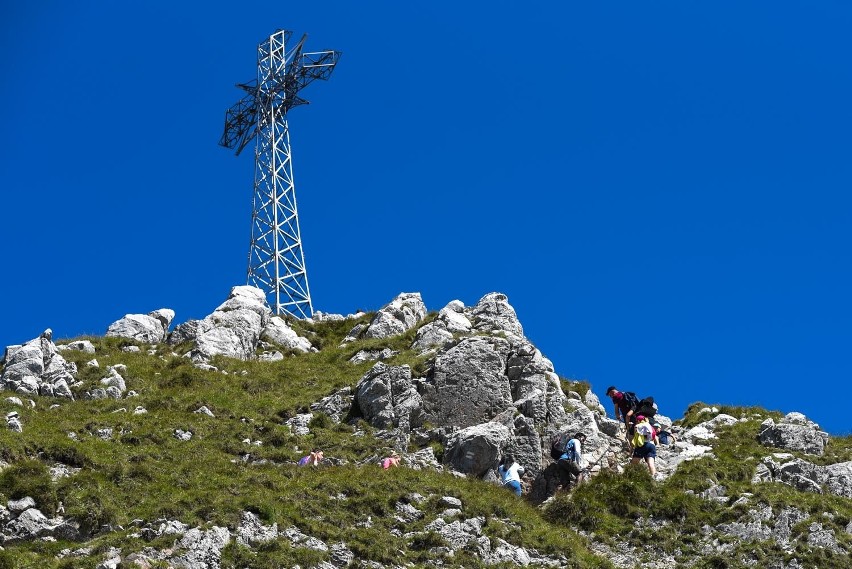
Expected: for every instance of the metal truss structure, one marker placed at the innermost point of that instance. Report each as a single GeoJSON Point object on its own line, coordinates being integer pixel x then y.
{"type": "Point", "coordinates": [276, 263]}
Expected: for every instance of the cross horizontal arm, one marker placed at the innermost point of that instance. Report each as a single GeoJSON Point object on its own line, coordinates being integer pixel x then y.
{"type": "Point", "coordinates": [240, 123]}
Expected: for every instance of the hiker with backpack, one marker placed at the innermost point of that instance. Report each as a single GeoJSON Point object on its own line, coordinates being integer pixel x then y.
{"type": "Point", "coordinates": [643, 444]}
{"type": "Point", "coordinates": [569, 456]}
{"type": "Point", "coordinates": [510, 474]}
{"type": "Point", "coordinates": [625, 403]}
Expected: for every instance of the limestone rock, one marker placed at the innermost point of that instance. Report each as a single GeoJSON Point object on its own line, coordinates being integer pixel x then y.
{"type": "Point", "coordinates": [150, 328]}
{"type": "Point", "coordinates": [477, 449]}
{"type": "Point", "coordinates": [451, 320]}
{"type": "Point", "coordinates": [37, 368]}
{"type": "Point", "coordinates": [278, 332]}
{"type": "Point", "coordinates": [252, 532]}
{"type": "Point", "coordinates": [200, 549]}
{"type": "Point", "coordinates": [493, 313]}
{"type": "Point", "coordinates": [336, 405]}
{"type": "Point", "coordinates": [467, 383]}
{"type": "Point", "coordinates": [234, 328]}
{"type": "Point", "coordinates": [794, 432]}
{"type": "Point", "coordinates": [395, 318]}
{"type": "Point", "coordinates": [387, 397]}
{"type": "Point", "coordinates": [79, 345]}
{"type": "Point", "coordinates": [805, 476]}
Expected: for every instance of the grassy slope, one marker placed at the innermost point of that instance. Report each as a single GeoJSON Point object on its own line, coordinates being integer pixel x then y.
{"type": "Point", "coordinates": [600, 506]}
{"type": "Point", "coordinates": [145, 473]}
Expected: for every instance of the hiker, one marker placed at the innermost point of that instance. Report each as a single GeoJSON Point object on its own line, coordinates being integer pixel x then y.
{"type": "Point", "coordinates": [643, 444]}
{"type": "Point", "coordinates": [664, 434]}
{"type": "Point", "coordinates": [312, 459]}
{"type": "Point", "coordinates": [391, 461]}
{"type": "Point", "coordinates": [510, 474]}
{"type": "Point", "coordinates": [624, 403]}
{"type": "Point", "coordinates": [570, 460]}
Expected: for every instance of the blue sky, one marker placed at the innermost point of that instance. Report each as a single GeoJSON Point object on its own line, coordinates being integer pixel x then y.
{"type": "Point", "coordinates": [662, 189]}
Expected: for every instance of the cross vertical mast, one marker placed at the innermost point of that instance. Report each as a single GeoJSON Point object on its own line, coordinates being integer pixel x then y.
{"type": "Point", "coordinates": [276, 262]}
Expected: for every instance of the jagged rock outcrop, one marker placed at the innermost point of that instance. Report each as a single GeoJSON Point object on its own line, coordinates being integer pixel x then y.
{"type": "Point", "coordinates": [387, 397]}
{"type": "Point", "coordinates": [201, 549]}
{"type": "Point", "coordinates": [805, 476]}
{"type": "Point", "coordinates": [494, 314]}
{"type": "Point", "coordinates": [397, 317]}
{"type": "Point", "coordinates": [151, 328]}
{"type": "Point", "coordinates": [468, 384]}
{"type": "Point", "coordinates": [451, 320]}
{"type": "Point", "coordinates": [235, 329]}
{"type": "Point", "coordinates": [37, 368]}
{"type": "Point", "coordinates": [22, 521]}
{"type": "Point", "coordinates": [336, 405]}
{"type": "Point", "coordinates": [794, 432]}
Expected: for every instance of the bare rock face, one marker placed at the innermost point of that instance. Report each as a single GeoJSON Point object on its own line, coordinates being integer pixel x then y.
{"type": "Point", "coordinates": [37, 368]}
{"type": "Point", "coordinates": [387, 397]}
{"type": "Point", "coordinates": [402, 314]}
{"type": "Point", "coordinates": [151, 328]}
{"type": "Point", "coordinates": [468, 383]}
{"type": "Point", "coordinates": [536, 389]}
{"type": "Point", "coordinates": [794, 432]}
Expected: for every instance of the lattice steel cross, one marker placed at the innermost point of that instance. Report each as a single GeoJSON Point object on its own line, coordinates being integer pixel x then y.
{"type": "Point", "coordinates": [276, 262]}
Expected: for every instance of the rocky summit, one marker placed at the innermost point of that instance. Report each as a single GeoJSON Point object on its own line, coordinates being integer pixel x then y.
{"type": "Point", "coordinates": [246, 439]}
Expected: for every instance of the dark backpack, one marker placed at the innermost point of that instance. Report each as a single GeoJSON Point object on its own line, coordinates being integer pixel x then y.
{"type": "Point", "coordinates": [557, 446]}
{"type": "Point", "coordinates": [646, 407]}
{"type": "Point", "coordinates": [630, 399]}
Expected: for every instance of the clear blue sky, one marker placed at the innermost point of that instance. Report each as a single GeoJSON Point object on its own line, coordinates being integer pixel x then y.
{"type": "Point", "coordinates": [662, 189]}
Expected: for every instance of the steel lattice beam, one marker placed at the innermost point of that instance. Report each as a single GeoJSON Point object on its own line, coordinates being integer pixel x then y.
{"type": "Point", "coordinates": [276, 262]}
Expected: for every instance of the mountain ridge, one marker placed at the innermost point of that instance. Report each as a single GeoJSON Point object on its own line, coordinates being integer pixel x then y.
{"type": "Point", "coordinates": [451, 391]}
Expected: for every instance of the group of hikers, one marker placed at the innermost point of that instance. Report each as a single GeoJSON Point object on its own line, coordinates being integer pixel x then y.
{"type": "Point", "coordinates": [643, 433]}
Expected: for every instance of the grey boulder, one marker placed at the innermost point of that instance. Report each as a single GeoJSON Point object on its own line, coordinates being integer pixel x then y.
{"type": "Point", "coordinates": [794, 432]}
{"type": "Point", "coordinates": [477, 449]}
{"type": "Point", "coordinates": [397, 317]}
{"type": "Point", "coordinates": [151, 328]}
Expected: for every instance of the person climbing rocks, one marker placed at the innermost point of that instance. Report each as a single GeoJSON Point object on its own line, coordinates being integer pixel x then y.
{"type": "Point", "coordinates": [643, 444]}
{"type": "Point", "coordinates": [510, 474]}
{"type": "Point", "coordinates": [570, 462]}
{"type": "Point", "coordinates": [624, 404]}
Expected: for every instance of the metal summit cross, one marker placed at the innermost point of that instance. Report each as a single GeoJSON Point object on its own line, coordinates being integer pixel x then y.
{"type": "Point", "coordinates": [276, 263]}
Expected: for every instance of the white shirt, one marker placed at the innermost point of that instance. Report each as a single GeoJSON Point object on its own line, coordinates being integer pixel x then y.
{"type": "Point", "coordinates": [512, 474]}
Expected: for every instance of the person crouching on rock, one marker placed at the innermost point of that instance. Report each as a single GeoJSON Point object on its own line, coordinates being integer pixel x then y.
{"type": "Point", "coordinates": [510, 473]}
{"type": "Point", "coordinates": [644, 436]}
